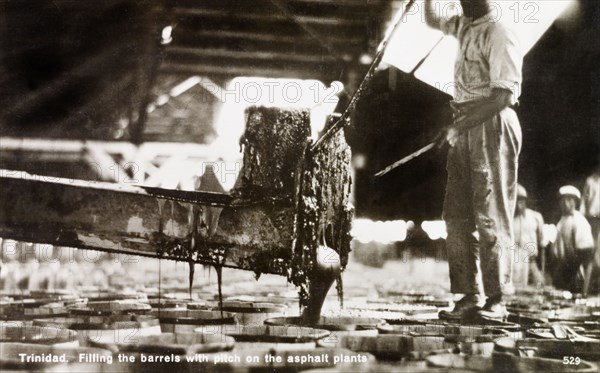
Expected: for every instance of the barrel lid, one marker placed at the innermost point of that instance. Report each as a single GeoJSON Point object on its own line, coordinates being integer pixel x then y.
{"type": "Point", "coordinates": [275, 334]}
{"type": "Point", "coordinates": [475, 363]}
{"type": "Point", "coordinates": [250, 307]}
{"type": "Point", "coordinates": [168, 303]}
{"type": "Point", "coordinates": [290, 356]}
{"type": "Point", "coordinates": [271, 298]}
{"type": "Point", "coordinates": [385, 316]}
{"type": "Point", "coordinates": [103, 323]}
{"type": "Point", "coordinates": [482, 322]}
{"type": "Point", "coordinates": [194, 317]}
{"type": "Point", "coordinates": [179, 344]}
{"type": "Point", "coordinates": [30, 302]}
{"type": "Point", "coordinates": [332, 323]}
{"type": "Point", "coordinates": [106, 296]}
{"type": "Point", "coordinates": [451, 333]}
{"type": "Point", "coordinates": [36, 334]}
{"type": "Point", "coordinates": [406, 308]}
{"type": "Point", "coordinates": [10, 351]}
{"type": "Point", "coordinates": [196, 305]}
{"type": "Point", "coordinates": [106, 308]}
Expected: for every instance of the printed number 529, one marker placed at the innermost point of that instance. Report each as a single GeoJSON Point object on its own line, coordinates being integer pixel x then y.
{"type": "Point", "coordinates": [571, 360]}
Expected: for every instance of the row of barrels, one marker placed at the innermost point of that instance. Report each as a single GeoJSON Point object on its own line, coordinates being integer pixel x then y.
{"type": "Point", "coordinates": [358, 342]}
{"type": "Point", "coordinates": [403, 336]}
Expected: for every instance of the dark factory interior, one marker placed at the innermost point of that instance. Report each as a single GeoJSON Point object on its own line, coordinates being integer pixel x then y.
{"type": "Point", "coordinates": [145, 132]}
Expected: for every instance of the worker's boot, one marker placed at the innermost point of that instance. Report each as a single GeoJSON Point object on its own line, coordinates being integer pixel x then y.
{"type": "Point", "coordinates": [467, 306]}
{"type": "Point", "coordinates": [494, 309]}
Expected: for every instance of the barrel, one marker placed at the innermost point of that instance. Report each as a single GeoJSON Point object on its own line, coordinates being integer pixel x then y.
{"type": "Point", "coordinates": [63, 295]}
{"type": "Point", "coordinates": [175, 344]}
{"type": "Point", "coordinates": [13, 323]}
{"type": "Point", "coordinates": [467, 338]}
{"type": "Point", "coordinates": [38, 304]}
{"type": "Point", "coordinates": [469, 363]}
{"type": "Point", "coordinates": [168, 352]}
{"type": "Point", "coordinates": [383, 315]}
{"type": "Point", "coordinates": [168, 303]}
{"type": "Point", "coordinates": [504, 362]}
{"type": "Point", "coordinates": [548, 308]}
{"type": "Point", "coordinates": [365, 309]}
{"type": "Point", "coordinates": [445, 330]}
{"type": "Point", "coordinates": [590, 329]}
{"type": "Point", "coordinates": [175, 320]}
{"type": "Point", "coordinates": [197, 305]}
{"type": "Point", "coordinates": [385, 367]}
{"type": "Point", "coordinates": [527, 320]}
{"type": "Point", "coordinates": [573, 314]}
{"type": "Point", "coordinates": [109, 308]}
{"type": "Point", "coordinates": [250, 313]}
{"type": "Point", "coordinates": [514, 330]}
{"type": "Point", "coordinates": [293, 360]}
{"type": "Point", "coordinates": [409, 309]}
{"type": "Point", "coordinates": [338, 326]}
{"type": "Point", "coordinates": [18, 310]}
{"type": "Point", "coordinates": [48, 335]}
{"type": "Point", "coordinates": [421, 298]}
{"type": "Point", "coordinates": [287, 300]}
{"type": "Point", "coordinates": [333, 323]}
{"type": "Point", "coordinates": [172, 300]}
{"type": "Point", "coordinates": [44, 358]}
{"type": "Point", "coordinates": [101, 295]}
{"type": "Point", "coordinates": [26, 308]}
{"type": "Point", "coordinates": [43, 296]}
{"type": "Point", "coordinates": [116, 328]}
{"type": "Point", "coordinates": [583, 348]}
{"type": "Point", "coordinates": [278, 337]}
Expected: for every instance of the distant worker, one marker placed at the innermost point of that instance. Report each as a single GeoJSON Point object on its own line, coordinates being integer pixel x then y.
{"type": "Point", "coordinates": [573, 249]}
{"type": "Point", "coordinates": [590, 208]}
{"type": "Point", "coordinates": [528, 228]}
{"type": "Point", "coordinates": [485, 141]}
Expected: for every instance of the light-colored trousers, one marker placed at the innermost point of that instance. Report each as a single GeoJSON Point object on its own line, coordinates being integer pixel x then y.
{"type": "Point", "coordinates": [481, 197]}
{"type": "Point", "coordinates": [526, 271]}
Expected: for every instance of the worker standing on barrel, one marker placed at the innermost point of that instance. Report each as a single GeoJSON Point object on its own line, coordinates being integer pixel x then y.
{"type": "Point", "coordinates": [485, 141]}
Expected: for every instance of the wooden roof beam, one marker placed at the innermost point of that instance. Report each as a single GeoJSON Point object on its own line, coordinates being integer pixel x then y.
{"type": "Point", "coordinates": [231, 70]}
{"type": "Point", "coordinates": [224, 53]}
{"type": "Point", "coordinates": [231, 14]}
{"type": "Point", "coordinates": [341, 3]}
{"type": "Point", "coordinates": [271, 37]}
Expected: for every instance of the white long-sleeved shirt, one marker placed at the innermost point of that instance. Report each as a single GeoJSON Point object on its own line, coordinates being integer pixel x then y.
{"type": "Point", "coordinates": [488, 57]}
{"type": "Point", "coordinates": [590, 199]}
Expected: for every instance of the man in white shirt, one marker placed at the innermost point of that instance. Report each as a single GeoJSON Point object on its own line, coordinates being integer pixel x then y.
{"type": "Point", "coordinates": [485, 141]}
{"type": "Point", "coordinates": [573, 249]}
{"type": "Point", "coordinates": [528, 227]}
{"type": "Point", "coordinates": [590, 208]}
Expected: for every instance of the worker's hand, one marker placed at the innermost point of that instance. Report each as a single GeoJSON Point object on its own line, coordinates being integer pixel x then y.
{"type": "Point", "coordinates": [448, 135]}
{"type": "Point", "coordinates": [452, 135]}
{"type": "Point", "coordinates": [462, 108]}
{"type": "Point", "coordinates": [465, 114]}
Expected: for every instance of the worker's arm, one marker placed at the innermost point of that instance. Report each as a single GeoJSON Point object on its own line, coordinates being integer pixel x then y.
{"type": "Point", "coordinates": [505, 64]}
{"type": "Point", "coordinates": [582, 233]}
{"type": "Point", "coordinates": [433, 19]}
{"type": "Point", "coordinates": [540, 232]}
{"type": "Point", "coordinates": [472, 113]}
{"type": "Point", "coordinates": [584, 198]}
{"type": "Point", "coordinates": [583, 240]}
